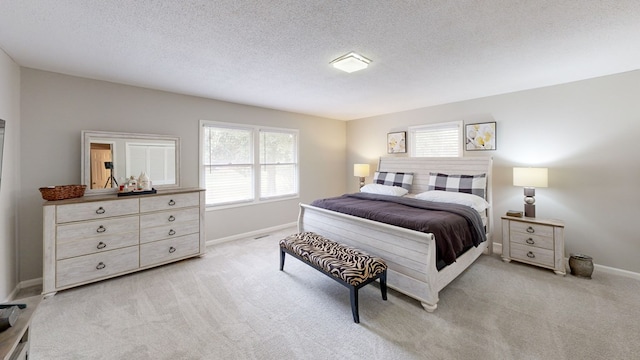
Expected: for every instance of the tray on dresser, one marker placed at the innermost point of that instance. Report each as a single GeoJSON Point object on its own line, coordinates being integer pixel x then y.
{"type": "Point", "coordinates": [143, 192]}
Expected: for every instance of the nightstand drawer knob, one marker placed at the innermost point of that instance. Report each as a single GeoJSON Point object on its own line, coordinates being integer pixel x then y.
{"type": "Point", "coordinates": [530, 230]}
{"type": "Point", "coordinates": [531, 255]}
{"type": "Point", "coordinates": [530, 241]}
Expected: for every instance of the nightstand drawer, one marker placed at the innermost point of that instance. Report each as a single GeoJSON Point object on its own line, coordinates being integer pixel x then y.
{"type": "Point", "coordinates": [532, 254]}
{"type": "Point", "coordinates": [531, 228]}
{"type": "Point", "coordinates": [543, 242]}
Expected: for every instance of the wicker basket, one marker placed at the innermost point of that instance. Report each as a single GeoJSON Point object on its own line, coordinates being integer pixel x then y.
{"type": "Point", "coordinates": [62, 192]}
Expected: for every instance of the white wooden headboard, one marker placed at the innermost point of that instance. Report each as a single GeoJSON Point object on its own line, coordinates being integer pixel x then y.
{"type": "Point", "coordinates": [422, 166]}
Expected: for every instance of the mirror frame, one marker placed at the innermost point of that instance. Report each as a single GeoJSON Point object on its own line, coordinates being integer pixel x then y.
{"type": "Point", "coordinates": [85, 165]}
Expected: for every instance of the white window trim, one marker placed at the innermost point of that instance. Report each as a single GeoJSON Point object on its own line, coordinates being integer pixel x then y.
{"type": "Point", "coordinates": [256, 164]}
{"type": "Point", "coordinates": [413, 129]}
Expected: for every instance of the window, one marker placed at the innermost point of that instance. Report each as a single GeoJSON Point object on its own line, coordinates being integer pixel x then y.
{"type": "Point", "coordinates": [156, 159]}
{"type": "Point", "coordinates": [247, 164]}
{"type": "Point", "coordinates": [436, 140]}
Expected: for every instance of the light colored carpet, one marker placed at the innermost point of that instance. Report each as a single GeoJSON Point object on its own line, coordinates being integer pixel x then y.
{"type": "Point", "coordinates": [234, 303]}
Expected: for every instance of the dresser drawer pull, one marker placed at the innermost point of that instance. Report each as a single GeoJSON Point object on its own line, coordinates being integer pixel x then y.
{"type": "Point", "coordinates": [171, 202]}
{"type": "Point", "coordinates": [101, 211]}
{"type": "Point", "coordinates": [172, 250]}
{"type": "Point", "coordinates": [172, 232]}
{"type": "Point", "coordinates": [530, 230]}
{"type": "Point", "coordinates": [101, 266]}
{"type": "Point", "coordinates": [101, 245]}
{"type": "Point", "coordinates": [530, 241]}
{"type": "Point", "coordinates": [101, 229]}
{"type": "Point", "coordinates": [531, 255]}
{"type": "Point", "coordinates": [172, 218]}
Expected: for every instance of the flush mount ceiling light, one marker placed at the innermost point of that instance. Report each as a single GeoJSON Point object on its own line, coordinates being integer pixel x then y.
{"type": "Point", "coordinates": [351, 62]}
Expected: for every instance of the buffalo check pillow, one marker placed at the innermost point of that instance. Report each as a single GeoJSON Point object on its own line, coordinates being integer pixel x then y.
{"type": "Point", "coordinates": [470, 184]}
{"type": "Point", "coordinates": [401, 179]}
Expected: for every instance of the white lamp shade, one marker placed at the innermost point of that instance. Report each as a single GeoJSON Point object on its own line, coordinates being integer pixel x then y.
{"type": "Point", "coordinates": [530, 177]}
{"type": "Point", "coordinates": [361, 170]}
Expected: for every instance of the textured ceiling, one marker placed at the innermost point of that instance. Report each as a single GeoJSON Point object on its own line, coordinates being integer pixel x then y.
{"type": "Point", "coordinates": [276, 54]}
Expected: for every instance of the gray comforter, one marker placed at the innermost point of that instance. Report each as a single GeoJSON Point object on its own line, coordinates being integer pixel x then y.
{"type": "Point", "coordinates": [455, 227]}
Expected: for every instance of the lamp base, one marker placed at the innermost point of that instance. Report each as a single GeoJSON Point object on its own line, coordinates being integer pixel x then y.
{"type": "Point", "coordinates": [529, 201]}
{"type": "Point", "coordinates": [529, 210]}
{"type": "Point", "coordinates": [361, 182]}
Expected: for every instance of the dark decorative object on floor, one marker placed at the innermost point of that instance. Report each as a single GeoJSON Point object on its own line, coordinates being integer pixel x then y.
{"type": "Point", "coordinates": [8, 317]}
{"type": "Point", "coordinates": [581, 265]}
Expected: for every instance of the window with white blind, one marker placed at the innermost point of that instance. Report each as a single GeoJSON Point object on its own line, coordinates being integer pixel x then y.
{"type": "Point", "coordinates": [436, 140]}
{"type": "Point", "coordinates": [247, 164]}
{"type": "Point", "coordinates": [156, 159]}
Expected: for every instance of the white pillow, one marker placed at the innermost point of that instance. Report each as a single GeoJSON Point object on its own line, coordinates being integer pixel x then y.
{"type": "Point", "coordinates": [473, 201]}
{"type": "Point", "coordinates": [384, 189]}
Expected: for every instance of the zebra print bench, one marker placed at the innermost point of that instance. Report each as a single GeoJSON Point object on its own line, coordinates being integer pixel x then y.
{"type": "Point", "coordinates": [348, 266]}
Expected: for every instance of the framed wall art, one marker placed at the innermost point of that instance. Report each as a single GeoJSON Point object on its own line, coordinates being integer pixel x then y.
{"type": "Point", "coordinates": [397, 142]}
{"type": "Point", "coordinates": [480, 136]}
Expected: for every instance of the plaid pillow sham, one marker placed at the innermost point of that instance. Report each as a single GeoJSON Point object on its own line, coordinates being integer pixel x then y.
{"type": "Point", "coordinates": [400, 179]}
{"type": "Point", "coordinates": [469, 184]}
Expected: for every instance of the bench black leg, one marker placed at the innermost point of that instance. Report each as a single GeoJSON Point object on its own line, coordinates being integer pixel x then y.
{"type": "Point", "coordinates": [383, 284]}
{"type": "Point", "coordinates": [281, 259]}
{"type": "Point", "coordinates": [354, 303]}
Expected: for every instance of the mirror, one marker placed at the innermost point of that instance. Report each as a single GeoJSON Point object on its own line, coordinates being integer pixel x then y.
{"type": "Point", "coordinates": [110, 158]}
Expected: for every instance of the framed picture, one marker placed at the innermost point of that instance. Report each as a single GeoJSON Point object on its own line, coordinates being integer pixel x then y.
{"type": "Point", "coordinates": [397, 142]}
{"type": "Point", "coordinates": [481, 136]}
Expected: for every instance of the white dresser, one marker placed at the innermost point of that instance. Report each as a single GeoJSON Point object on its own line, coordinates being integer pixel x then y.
{"type": "Point", "coordinates": [93, 238]}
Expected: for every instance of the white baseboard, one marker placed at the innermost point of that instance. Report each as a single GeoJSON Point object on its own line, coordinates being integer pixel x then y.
{"type": "Point", "coordinates": [22, 285]}
{"type": "Point", "coordinates": [497, 249]}
{"type": "Point", "coordinates": [616, 271]}
{"type": "Point", "coordinates": [250, 234]}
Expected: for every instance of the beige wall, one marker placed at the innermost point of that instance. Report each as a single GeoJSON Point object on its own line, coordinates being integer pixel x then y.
{"type": "Point", "coordinates": [585, 132]}
{"type": "Point", "coordinates": [9, 184]}
{"type": "Point", "coordinates": [55, 108]}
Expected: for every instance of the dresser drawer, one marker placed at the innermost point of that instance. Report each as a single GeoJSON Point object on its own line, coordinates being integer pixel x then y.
{"type": "Point", "coordinates": [95, 244]}
{"type": "Point", "coordinates": [532, 240]}
{"type": "Point", "coordinates": [166, 202]}
{"type": "Point", "coordinates": [96, 210]}
{"type": "Point", "coordinates": [532, 254]}
{"type": "Point", "coordinates": [166, 250]}
{"type": "Point", "coordinates": [169, 231]}
{"type": "Point", "coordinates": [169, 217]}
{"type": "Point", "coordinates": [96, 266]}
{"type": "Point", "coordinates": [100, 228]}
{"type": "Point", "coordinates": [533, 229]}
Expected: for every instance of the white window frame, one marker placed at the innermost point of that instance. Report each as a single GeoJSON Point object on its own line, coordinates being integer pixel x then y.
{"type": "Point", "coordinates": [412, 130]}
{"type": "Point", "coordinates": [255, 163]}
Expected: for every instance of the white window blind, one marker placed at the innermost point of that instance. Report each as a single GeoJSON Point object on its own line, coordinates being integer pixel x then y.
{"type": "Point", "coordinates": [227, 158]}
{"type": "Point", "coordinates": [278, 163]}
{"type": "Point", "coordinates": [155, 159]}
{"type": "Point", "coordinates": [436, 140]}
{"type": "Point", "coordinates": [231, 175]}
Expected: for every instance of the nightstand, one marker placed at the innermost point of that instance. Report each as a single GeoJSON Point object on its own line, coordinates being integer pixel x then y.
{"type": "Point", "coordinates": [534, 241]}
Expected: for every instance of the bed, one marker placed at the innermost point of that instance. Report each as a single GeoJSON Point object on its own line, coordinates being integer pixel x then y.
{"type": "Point", "coordinates": [409, 254]}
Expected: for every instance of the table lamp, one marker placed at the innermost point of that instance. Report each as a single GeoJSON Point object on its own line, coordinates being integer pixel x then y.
{"type": "Point", "coordinates": [361, 171]}
{"type": "Point", "coordinates": [530, 178]}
